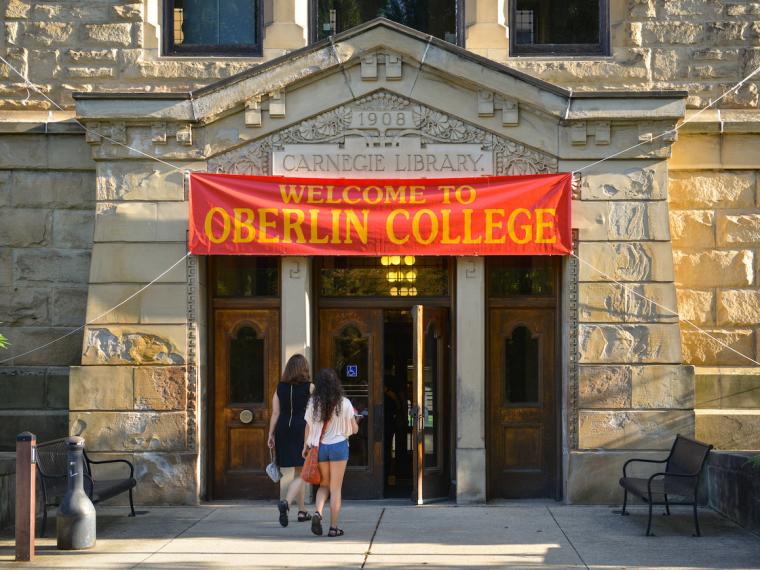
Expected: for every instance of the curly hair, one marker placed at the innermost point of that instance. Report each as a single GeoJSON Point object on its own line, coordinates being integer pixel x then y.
{"type": "Point", "coordinates": [328, 394]}
{"type": "Point", "coordinates": [296, 370]}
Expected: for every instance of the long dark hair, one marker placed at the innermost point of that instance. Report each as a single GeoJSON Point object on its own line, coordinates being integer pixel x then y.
{"type": "Point", "coordinates": [296, 370]}
{"type": "Point", "coordinates": [327, 395]}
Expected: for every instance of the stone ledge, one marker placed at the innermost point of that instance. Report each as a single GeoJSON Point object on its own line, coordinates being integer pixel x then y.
{"type": "Point", "coordinates": [728, 429]}
{"type": "Point", "coordinates": [727, 388]}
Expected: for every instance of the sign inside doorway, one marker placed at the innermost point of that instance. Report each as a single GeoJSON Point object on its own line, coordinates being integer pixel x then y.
{"type": "Point", "coordinates": [268, 215]}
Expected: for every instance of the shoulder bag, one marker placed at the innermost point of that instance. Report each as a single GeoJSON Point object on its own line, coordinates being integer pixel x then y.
{"type": "Point", "coordinates": [310, 472]}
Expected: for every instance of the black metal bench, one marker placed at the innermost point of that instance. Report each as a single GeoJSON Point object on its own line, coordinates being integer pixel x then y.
{"type": "Point", "coordinates": [52, 467]}
{"type": "Point", "coordinates": [683, 468]}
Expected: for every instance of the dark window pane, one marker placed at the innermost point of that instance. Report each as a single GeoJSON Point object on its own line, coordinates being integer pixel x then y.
{"type": "Point", "coordinates": [430, 383]}
{"type": "Point", "coordinates": [352, 365]}
{"type": "Point", "coordinates": [387, 276]}
{"type": "Point", "coordinates": [246, 368]}
{"type": "Point", "coordinates": [215, 22]}
{"type": "Point", "coordinates": [245, 276]}
{"type": "Point", "coordinates": [521, 275]}
{"type": "Point", "coordinates": [539, 22]}
{"type": "Point", "coordinates": [521, 368]}
{"type": "Point", "coordinates": [434, 17]}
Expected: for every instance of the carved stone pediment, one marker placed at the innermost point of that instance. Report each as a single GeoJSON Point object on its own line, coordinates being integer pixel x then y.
{"type": "Point", "coordinates": [358, 121]}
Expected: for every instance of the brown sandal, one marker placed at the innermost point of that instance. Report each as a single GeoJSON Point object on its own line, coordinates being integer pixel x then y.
{"type": "Point", "coordinates": [335, 531]}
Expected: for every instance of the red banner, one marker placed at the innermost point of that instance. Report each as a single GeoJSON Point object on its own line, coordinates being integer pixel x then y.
{"type": "Point", "coordinates": [268, 215]}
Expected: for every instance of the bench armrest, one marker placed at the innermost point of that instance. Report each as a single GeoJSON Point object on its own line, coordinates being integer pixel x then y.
{"type": "Point", "coordinates": [625, 465]}
{"type": "Point", "coordinates": [683, 475]}
{"type": "Point", "coordinates": [131, 467]}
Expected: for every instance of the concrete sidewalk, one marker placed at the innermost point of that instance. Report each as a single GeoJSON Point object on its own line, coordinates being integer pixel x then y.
{"type": "Point", "coordinates": [397, 535]}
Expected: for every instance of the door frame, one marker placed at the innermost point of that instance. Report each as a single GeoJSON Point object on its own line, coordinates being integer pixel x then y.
{"type": "Point", "coordinates": [531, 302]}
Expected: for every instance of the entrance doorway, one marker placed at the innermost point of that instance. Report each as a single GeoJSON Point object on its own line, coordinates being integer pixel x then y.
{"type": "Point", "coordinates": [392, 356]}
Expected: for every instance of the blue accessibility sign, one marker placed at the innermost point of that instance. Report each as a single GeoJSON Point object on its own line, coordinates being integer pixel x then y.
{"type": "Point", "coordinates": [352, 371]}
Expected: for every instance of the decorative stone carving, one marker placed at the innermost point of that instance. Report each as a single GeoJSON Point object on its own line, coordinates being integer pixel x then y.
{"type": "Point", "coordinates": [93, 134]}
{"type": "Point", "coordinates": [276, 104]}
{"type": "Point", "coordinates": [185, 135]}
{"type": "Point", "coordinates": [509, 114]}
{"type": "Point", "coordinates": [118, 132]}
{"type": "Point", "coordinates": [485, 104]}
{"type": "Point", "coordinates": [393, 67]}
{"type": "Point", "coordinates": [369, 67]}
{"type": "Point", "coordinates": [253, 112]}
{"type": "Point", "coordinates": [158, 132]}
{"type": "Point", "coordinates": [602, 133]}
{"type": "Point", "coordinates": [431, 126]}
{"type": "Point", "coordinates": [578, 133]}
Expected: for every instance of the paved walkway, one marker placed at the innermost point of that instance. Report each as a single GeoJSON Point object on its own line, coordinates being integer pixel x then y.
{"type": "Point", "coordinates": [395, 535]}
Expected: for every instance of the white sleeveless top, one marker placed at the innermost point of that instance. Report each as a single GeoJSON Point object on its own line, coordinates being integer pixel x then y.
{"type": "Point", "coordinates": [339, 427]}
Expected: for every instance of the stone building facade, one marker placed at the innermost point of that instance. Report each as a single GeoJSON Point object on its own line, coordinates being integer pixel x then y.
{"type": "Point", "coordinates": [86, 222]}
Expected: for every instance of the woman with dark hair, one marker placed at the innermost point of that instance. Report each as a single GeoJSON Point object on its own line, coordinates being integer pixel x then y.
{"type": "Point", "coordinates": [330, 422]}
{"type": "Point", "coordinates": [287, 429]}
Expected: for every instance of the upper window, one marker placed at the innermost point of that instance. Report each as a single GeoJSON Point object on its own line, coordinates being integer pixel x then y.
{"type": "Point", "coordinates": [559, 27]}
{"type": "Point", "coordinates": [438, 18]}
{"type": "Point", "coordinates": [205, 27]}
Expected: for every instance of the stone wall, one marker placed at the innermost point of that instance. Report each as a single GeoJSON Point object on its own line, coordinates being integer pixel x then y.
{"type": "Point", "coordinates": [113, 45]}
{"type": "Point", "coordinates": [733, 486]}
{"type": "Point", "coordinates": [46, 221]}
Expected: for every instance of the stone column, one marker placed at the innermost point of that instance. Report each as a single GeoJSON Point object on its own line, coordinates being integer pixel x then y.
{"type": "Point", "coordinates": [486, 28]}
{"type": "Point", "coordinates": [470, 380]}
{"type": "Point", "coordinates": [290, 25]}
{"type": "Point", "coordinates": [296, 308]}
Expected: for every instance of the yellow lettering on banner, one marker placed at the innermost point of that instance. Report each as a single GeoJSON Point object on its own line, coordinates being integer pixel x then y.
{"type": "Point", "coordinates": [265, 222]}
{"type": "Point", "coordinates": [289, 193]}
{"type": "Point", "coordinates": [446, 193]}
{"type": "Point", "coordinates": [314, 194]}
{"type": "Point", "coordinates": [541, 225]}
{"type": "Point", "coordinates": [467, 213]}
{"type": "Point", "coordinates": [335, 217]}
{"type": "Point", "coordinates": [492, 225]}
{"type": "Point", "coordinates": [416, 195]}
{"type": "Point", "coordinates": [433, 226]}
{"type": "Point", "coordinates": [470, 192]}
{"type": "Point", "coordinates": [291, 225]}
{"type": "Point", "coordinates": [372, 189]}
{"type": "Point", "coordinates": [360, 226]}
{"type": "Point", "coordinates": [389, 227]}
{"type": "Point", "coordinates": [526, 228]}
{"type": "Point", "coordinates": [243, 219]}
{"type": "Point", "coordinates": [225, 225]}
{"type": "Point", "coordinates": [446, 229]}
{"type": "Point", "coordinates": [347, 195]}
{"type": "Point", "coordinates": [314, 228]}
{"type": "Point", "coordinates": [331, 199]}
{"type": "Point", "coordinates": [393, 194]}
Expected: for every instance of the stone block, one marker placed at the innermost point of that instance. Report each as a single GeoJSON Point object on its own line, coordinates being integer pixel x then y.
{"type": "Point", "coordinates": [139, 180]}
{"type": "Point", "coordinates": [166, 478]}
{"type": "Point", "coordinates": [621, 221]}
{"type": "Point", "coordinates": [126, 221]}
{"type": "Point", "coordinates": [665, 33]}
{"type": "Point", "coordinates": [593, 476]}
{"type": "Point", "coordinates": [727, 388]}
{"type": "Point", "coordinates": [22, 388]}
{"type": "Point", "coordinates": [696, 306]}
{"type": "Point", "coordinates": [172, 218]}
{"type": "Point", "coordinates": [626, 261]}
{"type": "Point", "coordinates": [692, 228]}
{"type": "Point", "coordinates": [60, 266]}
{"type": "Point", "coordinates": [64, 352]}
{"type": "Point", "coordinates": [714, 268]}
{"type": "Point", "coordinates": [45, 424]}
{"type": "Point", "coordinates": [71, 152]}
{"type": "Point", "coordinates": [665, 387]}
{"type": "Point", "coordinates": [471, 475]}
{"type": "Point", "coordinates": [629, 344]}
{"type": "Point", "coordinates": [134, 263]}
{"type": "Point", "coordinates": [112, 35]}
{"type": "Point", "coordinates": [21, 227]}
{"type": "Point", "coordinates": [693, 152]}
{"type": "Point", "coordinates": [161, 303]}
{"type": "Point", "coordinates": [6, 266]}
{"type": "Point", "coordinates": [92, 55]}
{"type": "Point", "coordinates": [131, 431]}
{"type": "Point", "coordinates": [46, 33]}
{"type": "Point", "coordinates": [138, 345]}
{"type": "Point", "coordinates": [738, 229]}
{"type": "Point", "coordinates": [636, 303]}
{"type": "Point", "coordinates": [5, 188]}
{"type": "Point", "coordinates": [68, 306]}
{"type": "Point", "coordinates": [604, 387]}
{"type": "Point", "coordinates": [738, 307]}
{"type": "Point", "coordinates": [160, 388]}
{"type": "Point", "coordinates": [695, 190]}
{"type": "Point", "coordinates": [734, 486]}
{"type": "Point", "coordinates": [24, 306]}
{"type": "Point", "coordinates": [101, 388]}
{"type": "Point", "coordinates": [633, 429]}
{"type": "Point", "coordinates": [70, 11]}
{"type": "Point", "coordinates": [73, 228]}
{"type": "Point", "coordinates": [700, 349]}
{"type": "Point", "coordinates": [729, 429]}
{"type": "Point", "coordinates": [627, 181]}
{"type": "Point", "coordinates": [57, 388]}
{"type": "Point", "coordinates": [17, 9]}
{"type": "Point", "coordinates": [53, 189]}
{"type": "Point", "coordinates": [131, 11]}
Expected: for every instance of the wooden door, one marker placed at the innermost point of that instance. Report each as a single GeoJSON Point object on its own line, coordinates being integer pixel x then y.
{"type": "Point", "coordinates": [246, 372]}
{"type": "Point", "coordinates": [522, 418]}
{"type": "Point", "coordinates": [350, 341]}
{"type": "Point", "coordinates": [431, 368]}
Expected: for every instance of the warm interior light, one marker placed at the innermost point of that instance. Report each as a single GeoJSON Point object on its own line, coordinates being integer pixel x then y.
{"type": "Point", "coordinates": [413, 291]}
{"type": "Point", "coordinates": [394, 291]}
{"type": "Point", "coordinates": [411, 275]}
{"type": "Point", "coordinates": [395, 260]}
{"type": "Point", "coordinates": [393, 276]}
{"type": "Point", "coordinates": [404, 292]}
{"type": "Point", "coordinates": [385, 260]}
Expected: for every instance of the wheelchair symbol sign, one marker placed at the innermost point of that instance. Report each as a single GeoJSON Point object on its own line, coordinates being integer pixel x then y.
{"type": "Point", "coordinates": [352, 371]}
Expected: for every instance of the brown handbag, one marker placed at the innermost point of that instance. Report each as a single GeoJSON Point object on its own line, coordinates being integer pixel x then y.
{"type": "Point", "coordinates": [310, 472]}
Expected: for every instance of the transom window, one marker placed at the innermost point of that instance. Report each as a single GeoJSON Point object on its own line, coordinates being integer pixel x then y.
{"type": "Point", "coordinates": [438, 18]}
{"type": "Point", "coordinates": [559, 27]}
{"type": "Point", "coordinates": [207, 27]}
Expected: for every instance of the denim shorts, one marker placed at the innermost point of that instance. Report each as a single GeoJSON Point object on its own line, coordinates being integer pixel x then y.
{"type": "Point", "coordinates": [333, 451]}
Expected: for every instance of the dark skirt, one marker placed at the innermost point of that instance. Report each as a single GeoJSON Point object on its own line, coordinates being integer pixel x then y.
{"type": "Point", "coordinates": [288, 441]}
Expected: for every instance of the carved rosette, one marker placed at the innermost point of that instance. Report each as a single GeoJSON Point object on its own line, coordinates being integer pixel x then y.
{"type": "Point", "coordinates": [430, 125]}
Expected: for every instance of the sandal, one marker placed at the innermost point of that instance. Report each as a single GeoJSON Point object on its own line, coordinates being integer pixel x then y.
{"type": "Point", "coordinates": [335, 531]}
{"type": "Point", "coordinates": [283, 507]}
{"type": "Point", "coordinates": [316, 524]}
{"type": "Point", "coordinates": [303, 516]}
